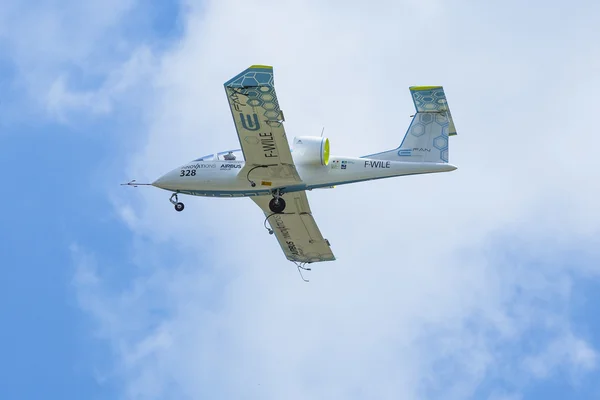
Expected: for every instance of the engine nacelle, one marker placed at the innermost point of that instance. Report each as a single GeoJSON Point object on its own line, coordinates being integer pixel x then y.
{"type": "Point", "coordinates": [311, 150]}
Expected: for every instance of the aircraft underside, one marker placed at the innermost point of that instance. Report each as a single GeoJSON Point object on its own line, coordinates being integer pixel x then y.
{"type": "Point", "coordinates": [276, 174]}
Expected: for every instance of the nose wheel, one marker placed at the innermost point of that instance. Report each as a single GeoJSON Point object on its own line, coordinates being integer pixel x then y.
{"type": "Point", "coordinates": [277, 203]}
{"type": "Point", "coordinates": [175, 201]}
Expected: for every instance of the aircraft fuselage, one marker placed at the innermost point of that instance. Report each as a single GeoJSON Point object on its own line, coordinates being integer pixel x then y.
{"type": "Point", "coordinates": [218, 178]}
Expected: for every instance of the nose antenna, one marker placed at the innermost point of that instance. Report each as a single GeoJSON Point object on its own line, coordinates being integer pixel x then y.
{"type": "Point", "coordinates": [135, 184]}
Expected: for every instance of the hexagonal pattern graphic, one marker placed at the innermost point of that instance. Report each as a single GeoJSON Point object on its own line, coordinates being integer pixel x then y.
{"type": "Point", "coordinates": [441, 119]}
{"type": "Point", "coordinates": [444, 155]}
{"type": "Point", "coordinates": [440, 142]}
{"type": "Point", "coordinates": [252, 78]}
{"type": "Point", "coordinates": [425, 118]}
{"type": "Point", "coordinates": [429, 100]}
{"type": "Point", "coordinates": [258, 85]}
{"type": "Point", "coordinates": [417, 129]}
{"type": "Point", "coordinates": [263, 78]}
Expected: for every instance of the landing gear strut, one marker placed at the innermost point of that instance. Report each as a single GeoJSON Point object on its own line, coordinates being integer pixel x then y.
{"type": "Point", "coordinates": [277, 203]}
{"type": "Point", "coordinates": [174, 200]}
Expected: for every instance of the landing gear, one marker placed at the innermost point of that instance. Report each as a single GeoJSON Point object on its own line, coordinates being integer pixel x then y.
{"type": "Point", "coordinates": [174, 200]}
{"type": "Point", "coordinates": [277, 203]}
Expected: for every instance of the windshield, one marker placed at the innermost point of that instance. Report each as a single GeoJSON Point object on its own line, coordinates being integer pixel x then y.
{"type": "Point", "coordinates": [230, 155]}
{"type": "Point", "coordinates": [209, 157]}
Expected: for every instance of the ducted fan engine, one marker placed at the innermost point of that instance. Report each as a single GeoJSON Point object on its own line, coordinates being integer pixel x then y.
{"type": "Point", "coordinates": [313, 150]}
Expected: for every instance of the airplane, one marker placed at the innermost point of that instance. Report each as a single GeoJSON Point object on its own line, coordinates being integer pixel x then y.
{"type": "Point", "coordinates": [276, 176]}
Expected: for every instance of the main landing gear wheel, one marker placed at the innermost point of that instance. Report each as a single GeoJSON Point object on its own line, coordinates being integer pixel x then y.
{"type": "Point", "coordinates": [277, 204]}
{"type": "Point", "coordinates": [175, 201]}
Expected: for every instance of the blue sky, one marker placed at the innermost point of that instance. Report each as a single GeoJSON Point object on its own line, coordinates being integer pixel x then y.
{"type": "Point", "coordinates": [49, 349]}
{"type": "Point", "coordinates": [481, 284]}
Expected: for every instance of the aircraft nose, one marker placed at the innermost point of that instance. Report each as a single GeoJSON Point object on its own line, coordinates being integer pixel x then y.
{"type": "Point", "coordinates": [163, 182]}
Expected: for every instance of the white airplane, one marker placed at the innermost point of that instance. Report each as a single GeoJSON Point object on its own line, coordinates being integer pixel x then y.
{"type": "Point", "coordinates": [276, 177]}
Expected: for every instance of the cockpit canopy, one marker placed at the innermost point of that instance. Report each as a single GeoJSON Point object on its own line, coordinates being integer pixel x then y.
{"type": "Point", "coordinates": [229, 155]}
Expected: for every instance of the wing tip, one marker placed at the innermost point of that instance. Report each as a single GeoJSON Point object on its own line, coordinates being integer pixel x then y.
{"type": "Point", "coordinates": [260, 66]}
{"type": "Point", "coordinates": [251, 71]}
{"type": "Point", "coordinates": [421, 88]}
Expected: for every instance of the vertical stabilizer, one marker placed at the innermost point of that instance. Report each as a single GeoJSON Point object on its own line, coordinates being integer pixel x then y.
{"type": "Point", "coordinates": [427, 137]}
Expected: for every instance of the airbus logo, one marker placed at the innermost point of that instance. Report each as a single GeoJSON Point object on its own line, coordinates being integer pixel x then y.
{"type": "Point", "coordinates": [230, 166]}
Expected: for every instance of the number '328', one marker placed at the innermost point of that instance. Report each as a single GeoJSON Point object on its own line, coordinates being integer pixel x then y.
{"type": "Point", "coordinates": [188, 172]}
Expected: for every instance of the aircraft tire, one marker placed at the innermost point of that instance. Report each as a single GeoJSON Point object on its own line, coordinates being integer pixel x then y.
{"type": "Point", "coordinates": [179, 207]}
{"type": "Point", "coordinates": [277, 205]}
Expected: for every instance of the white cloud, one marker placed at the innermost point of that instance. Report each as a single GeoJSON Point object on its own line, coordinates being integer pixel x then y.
{"type": "Point", "coordinates": [426, 294]}
{"type": "Point", "coordinates": [59, 55]}
{"type": "Point", "coordinates": [119, 82]}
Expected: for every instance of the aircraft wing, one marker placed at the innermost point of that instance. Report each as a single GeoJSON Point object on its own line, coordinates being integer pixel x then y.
{"type": "Point", "coordinates": [296, 229]}
{"type": "Point", "coordinates": [259, 124]}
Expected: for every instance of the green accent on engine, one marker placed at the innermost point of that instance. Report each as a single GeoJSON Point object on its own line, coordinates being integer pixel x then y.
{"type": "Point", "coordinates": [325, 158]}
